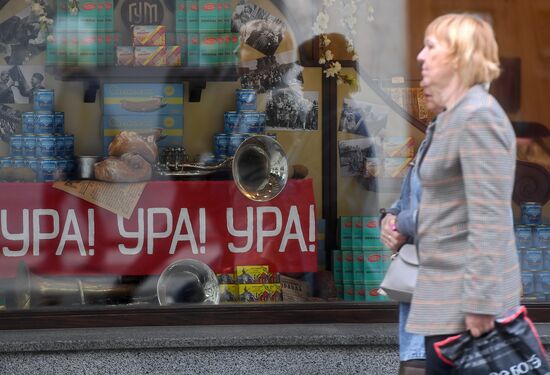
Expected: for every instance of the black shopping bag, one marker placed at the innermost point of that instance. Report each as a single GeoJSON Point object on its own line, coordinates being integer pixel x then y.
{"type": "Point", "coordinates": [512, 348]}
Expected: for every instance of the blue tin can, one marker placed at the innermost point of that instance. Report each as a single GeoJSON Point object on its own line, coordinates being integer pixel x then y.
{"type": "Point", "coordinates": [542, 283]}
{"type": "Point", "coordinates": [245, 99]}
{"type": "Point", "coordinates": [235, 141]}
{"type": "Point", "coordinates": [43, 100]}
{"type": "Point", "coordinates": [69, 145]}
{"type": "Point", "coordinates": [45, 145]}
{"type": "Point", "coordinates": [524, 236]}
{"type": "Point", "coordinates": [6, 162]}
{"type": "Point", "coordinates": [44, 123]}
{"type": "Point", "coordinates": [59, 145]}
{"type": "Point", "coordinates": [531, 213]}
{"type": "Point", "coordinates": [230, 122]}
{"type": "Point", "coordinates": [61, 169]}
{"type": "Point", "coordinates": [29, 145]}
{"type": "Point", "coordinates": [16, 145]}
{"type": "Point", "coordinates": [528, 283]}
{"type": "Point", "coordinates": [59, 122]}
{"type": "Point", "coordinates": [546, 257]}
{"type": "Point", "coordinates": [221, 145]}
{"type": "Point", "coordinates": [27, 120]}
{"type": "Point", "coordinates": [18, 162]}
{"type": "Point", "coordinates": [47, 169]}
{"type": "Point", "coordinates": [532, 259]}
{"type": "Point", "coordinates": [70, 167]}
{"type": "Point", "coordinates": [32, 163]}
{"type": "Point", "coordinates": [541, 236]}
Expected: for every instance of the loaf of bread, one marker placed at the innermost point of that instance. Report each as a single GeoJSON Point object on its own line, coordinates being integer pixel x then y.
{"type": "Point", "coordinates": [129, 167]}
{"type": "Point", "coordinates": [129, 141]}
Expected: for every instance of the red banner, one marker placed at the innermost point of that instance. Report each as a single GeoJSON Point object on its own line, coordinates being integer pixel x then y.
{"type": "Point", "coordinates": [58, 234]}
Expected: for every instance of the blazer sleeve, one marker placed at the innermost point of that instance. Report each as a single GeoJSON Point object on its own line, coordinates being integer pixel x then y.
{"type": "Point", "coordinates": [487, 154]}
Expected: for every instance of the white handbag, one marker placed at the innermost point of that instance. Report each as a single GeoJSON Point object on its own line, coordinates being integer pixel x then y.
{"type": "Point", "coordinates": [400, 278]}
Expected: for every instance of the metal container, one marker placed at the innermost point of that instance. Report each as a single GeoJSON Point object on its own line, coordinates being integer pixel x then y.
{"type": "Point", "coordinates": [85, 167]}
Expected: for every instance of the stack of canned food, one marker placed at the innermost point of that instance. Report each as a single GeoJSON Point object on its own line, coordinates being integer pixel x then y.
{"type": "Point", "coordinates": [533, 244]}
{"type": "Point", "coordinates": [43, 147]}
{"type": "Point", "coordinates": [239, 124]}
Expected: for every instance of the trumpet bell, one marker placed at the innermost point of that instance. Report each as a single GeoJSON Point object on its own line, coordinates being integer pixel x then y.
{"type": "Point", "coordinates": [260, 168]}
{"type": "Point", "coordinates": [188, 280]}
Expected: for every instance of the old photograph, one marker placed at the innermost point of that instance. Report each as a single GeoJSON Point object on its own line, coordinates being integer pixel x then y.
{"type": "Point", "coordinates": [292, 109]}
{"type": "Point", "coordinates": [257, 27]}
{"type": "Point", "coordinates": [19, 82]}
{"type": "Point", "coordinates": [272, 72]}
{"type": "Point", "coordinates": [10, 121]}
{"type": "Point", "coordinates": [23, 35]}
{"type": "Point", "coordinates": [363, 118]}
{"type": "Point", "coordinates": [354, 154]}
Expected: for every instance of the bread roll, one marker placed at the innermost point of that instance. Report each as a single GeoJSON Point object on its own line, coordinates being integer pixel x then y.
{"type": "Point", "coordinates": [129, 141]}
{"type": "Point", "coordinates": [130, 167]}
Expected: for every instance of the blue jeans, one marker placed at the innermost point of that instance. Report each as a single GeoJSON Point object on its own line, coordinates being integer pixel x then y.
{"type": "Point", "coordinates": [411, 346]}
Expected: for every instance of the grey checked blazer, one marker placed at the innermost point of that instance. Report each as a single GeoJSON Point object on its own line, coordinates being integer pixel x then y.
{"type": "Point", "coordinates": [468, 258]}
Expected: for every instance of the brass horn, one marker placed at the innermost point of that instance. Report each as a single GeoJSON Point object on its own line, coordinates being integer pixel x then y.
{"type": "Point", "coordinates": [32, 291]}
{"type": "Point", "coordinates": [260, 168]}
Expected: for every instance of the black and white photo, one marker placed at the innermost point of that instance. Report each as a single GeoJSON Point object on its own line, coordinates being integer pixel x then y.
{"type": "Point", "coordinates": [24, 35]}
{"type": "Point", "coordinates": [272, 72]}
{"type": "Point", "coordinates": [257, 27]}
{"type": "Point", "coordinates": [10, 121]}
{"type": "Point", "coordinates": [292, 109]}
{"type": "Point", "coordinates": [362, 118]}
{"type": "Point", "coordinates": [19, 82]}
{"type": "Point", "coordinates": [354, 154]}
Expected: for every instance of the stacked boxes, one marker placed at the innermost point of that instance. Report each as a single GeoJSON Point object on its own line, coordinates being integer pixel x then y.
{"type": "Point", "coordinates": [141, 107]}
{"type": "Point", "coordinates": [151, 46]}
{"type": "Point", "coordinates": [533, 244]}
{"type": "Point", "coordinates": [203, 29]}
{"type": "Point", "coordinates": [83, 36]}
{"type": "Point", "coordinates": [43, 145]}
{"type": "Point", "coordinates": [361, 261]}
{"type": "Point", "coordinates": [250, 284]}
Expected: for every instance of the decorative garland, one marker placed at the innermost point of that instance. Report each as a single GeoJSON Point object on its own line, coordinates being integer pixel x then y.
{"type": "Point", "coordinates": [348, 11]}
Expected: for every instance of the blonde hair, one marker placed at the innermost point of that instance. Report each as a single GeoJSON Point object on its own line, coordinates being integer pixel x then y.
{"type": "Point", "coordinates": [472, 44]}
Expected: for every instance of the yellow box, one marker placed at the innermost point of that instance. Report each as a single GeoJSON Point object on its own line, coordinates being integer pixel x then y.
{"type": "Point", "coordinates": [260, 292]}
{"type": "Point", "coordinates": [253, 274]}
{"type": "Point", "coordinates": [229, 293]}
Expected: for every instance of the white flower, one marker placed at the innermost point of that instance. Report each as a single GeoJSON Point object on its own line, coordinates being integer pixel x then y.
{"type": "Point", "coordinates": [354, 57]}
{"type": "Point", "coordinates": [326, 41]}
{"type": "Point", "coordinates": [334, 69]}
{"type": "Point", "coordinates": [322, 20]}
{"type": "Point", "coordinates": [322, 60]}
{"type": "Point", "coordinates": [50, 38]}
{"type": "Point", "coordinates": [339, 81]}
{"type": "Point", "coordinates": [37, 9]}
{"type": "Point", "coordinates": [43, 19]}
{"type": "Point", "coordinates": [329, 55]}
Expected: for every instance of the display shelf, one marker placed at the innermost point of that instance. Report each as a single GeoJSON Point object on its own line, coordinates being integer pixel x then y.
{"type": "Point", "coordinates": [195, 76]}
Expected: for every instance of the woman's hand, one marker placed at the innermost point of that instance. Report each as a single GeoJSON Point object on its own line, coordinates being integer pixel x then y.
{"type": "Point", "coordinates": [478, 324]}
{"type": "Point", "coordinates": [389, 235]}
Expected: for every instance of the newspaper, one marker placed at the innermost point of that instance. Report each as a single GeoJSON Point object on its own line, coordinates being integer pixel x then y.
{"type": "Point", "coordinates": [119, 198]}
{"type": "Point", "coordinates": [293, 290]}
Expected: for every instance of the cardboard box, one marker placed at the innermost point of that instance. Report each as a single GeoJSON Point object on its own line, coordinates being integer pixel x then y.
{"type": "Point", "coordinates": [344, 232]}
{"type": "Point", "coordinates": [255, 275]}
{"type": "Point", "coordinates": [372, 293]}
{"type": "Point", "coordinates": [121, 98]}
{"type": "Point", "coordinates": [150, 56]}
{"type": "Point", "coordinates": [149, 35]}
{"type": "Point", "coordinates": [347, 266]}
{"type": "Point", "coordinates": [377, 261]}
{"type": "Point", "coordinates": [173, 56]}
{"type": "Point", "coordinates": [125, 55]}
{"type": "Point", "coordinates": [88, 15]}
{"type": "Point", "coordinates": [357, 233]}
{"type": "Point", "coordinates": [358, 266]}
{"type": "Point", "coordinates": [87, 49]}
{"type": "Point", "coordinates": [229, 293]}
{"type": "Point", "coordinates": [337, 265]}
{"type": "Point", "coordinates": [260, 292]}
